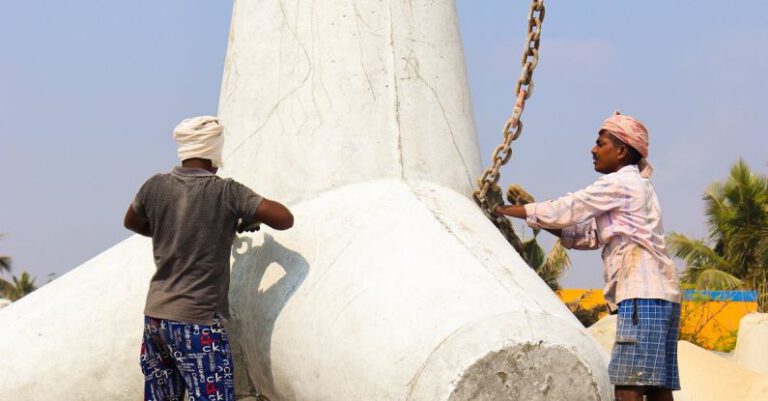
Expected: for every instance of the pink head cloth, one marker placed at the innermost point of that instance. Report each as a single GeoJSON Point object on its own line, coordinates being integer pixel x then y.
{"type": "Point", "coordinates": [632, 132]}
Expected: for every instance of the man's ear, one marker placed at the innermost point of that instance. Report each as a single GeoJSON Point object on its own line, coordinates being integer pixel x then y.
{"type": "Point", "coordinates": [623, 153]}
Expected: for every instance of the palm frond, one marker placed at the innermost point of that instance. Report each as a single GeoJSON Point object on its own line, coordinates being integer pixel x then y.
{"type": "Point", "coordinates": [21, 286]}
{"type": "Point", "coordinates": [5, 289]}
{"type": "Point", "coordinates": [742, 213]}
{"type": "Point", "coordinates": [716, 210]}
{"type": "Point", "coordinates": [555, 263]}
{"type": "Point", "coordinates": [714, 279]}
{"type": "Point", "coordinates": [737, 224]}
{"type": "Point", "coordinates": [690, 276]}
{"type": "Point", "coordinates": [550, 277]}
{"type": "Point", "coordinates": [5, 263]}
{"type": "Point", "coordinates": [762, 247]}
{"type": "Point", "coordinates": [532, 253]}
{"type": "Point", "coordinates": [696, 253]}
{"type": "Point", "coordinates": [557, 258]}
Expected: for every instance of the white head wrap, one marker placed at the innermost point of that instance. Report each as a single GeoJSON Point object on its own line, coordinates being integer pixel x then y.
{"type": "Point", "coordinates": [200, 137]}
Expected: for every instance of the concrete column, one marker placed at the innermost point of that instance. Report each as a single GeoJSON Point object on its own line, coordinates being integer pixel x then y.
{"type": "Point", "coordinates": [317, 95]}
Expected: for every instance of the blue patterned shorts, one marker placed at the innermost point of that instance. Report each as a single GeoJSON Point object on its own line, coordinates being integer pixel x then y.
{"type": "Point", "coordinates": [645, 352]}
{"type": "Point", "coordinates": [179, 356]}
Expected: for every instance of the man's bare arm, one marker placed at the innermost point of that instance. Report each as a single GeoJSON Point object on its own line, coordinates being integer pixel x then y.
{"type": "Point", "coordinates": [520, 213]}
{"type": "Point", "coordinates": [274, 214]}
{"type": "Point", "coordinates": [136, 223]}
{"type": "Point", "coordinates": [511, 210]}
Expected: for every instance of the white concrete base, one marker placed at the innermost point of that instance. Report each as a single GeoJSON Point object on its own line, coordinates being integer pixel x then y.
{"type": "Point", "coordinates": [391, 291]}
{"type": "Point", "coordinates": [752, 343]}
{"type": "Point", "coordinates": [382, 291]}
{"type": "Point", "coordinates": [78, 337]}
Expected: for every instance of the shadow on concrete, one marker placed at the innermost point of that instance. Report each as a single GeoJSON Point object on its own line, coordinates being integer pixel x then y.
{"type": "Point", "coordinates": [255, 305]}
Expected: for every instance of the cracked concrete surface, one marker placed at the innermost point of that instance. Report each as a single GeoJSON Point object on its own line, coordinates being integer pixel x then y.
{"type": "Point", "coordinates": [362, 57]}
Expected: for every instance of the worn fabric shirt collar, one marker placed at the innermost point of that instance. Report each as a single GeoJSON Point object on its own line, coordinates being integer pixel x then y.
{"type": "Point", "coordinates": [630, 168]}
{"type": "Point", "coordinates": [191, 172]}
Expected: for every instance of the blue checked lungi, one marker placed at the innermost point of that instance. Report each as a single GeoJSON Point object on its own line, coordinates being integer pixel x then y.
{"type": "Point", "coordinates": [645, 352]}
{"type": "Point", "coordinates": [178, 356]}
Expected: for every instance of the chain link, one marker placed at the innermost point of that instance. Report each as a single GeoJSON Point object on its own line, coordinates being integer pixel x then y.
{"type": "Point", "coordinates": [513, 127]}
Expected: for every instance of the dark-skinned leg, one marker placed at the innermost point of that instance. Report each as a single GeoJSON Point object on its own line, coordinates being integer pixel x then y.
{"type": "Point", "coordinates": [659, 394]}
{"type": "Point", "coordinates": [629, 393]}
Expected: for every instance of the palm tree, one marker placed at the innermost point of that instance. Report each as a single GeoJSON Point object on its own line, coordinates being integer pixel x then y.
{"type": "Point", "coordinates": [549, 267]}
{"type": "Point", "coordinates": [21, 286]}
{"type": "Point", "coordinates": [5, 288]}
{"type": "Point", "coordinates": [735, 252]}
{"type": "Point", "coordinates": [5, 266]}
{"type": "Point", "coordinates": [18, 286]}
{"type": "Point", "coordinates": [5, 262]}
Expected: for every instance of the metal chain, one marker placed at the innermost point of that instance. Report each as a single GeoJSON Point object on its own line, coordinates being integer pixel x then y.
{"type": "Point", "coordinates": [513, 127]}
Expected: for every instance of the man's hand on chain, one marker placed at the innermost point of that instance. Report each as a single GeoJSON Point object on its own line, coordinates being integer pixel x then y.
{"type": "Point", "coordinates": [517, 196]}
{"type": "Point", "coordinates": [493, 199]}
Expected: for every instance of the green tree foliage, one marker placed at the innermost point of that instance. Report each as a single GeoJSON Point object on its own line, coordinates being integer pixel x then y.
{"type": "Point", "coordinates": [735, 253]}
{"type": "Point", "coordinates": [20, 287]}
{"type": "Point", "coordinates": [587, 316]}
{"type": "Point", "coordinates": [5, 262]}
{"type": "Point", "coordinates": [17, 287]}
{"type": "Point", "coordinates": [5, 288]}
{"type": "Point", "coordinates": [549, 267]}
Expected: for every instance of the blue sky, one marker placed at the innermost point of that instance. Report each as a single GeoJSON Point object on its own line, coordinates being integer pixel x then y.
{"type": "Point", "coordinates": [90, 90]}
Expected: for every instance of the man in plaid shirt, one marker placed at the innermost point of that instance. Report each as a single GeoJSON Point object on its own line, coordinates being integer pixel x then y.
{"type": "Point", "coordinates": [620, 212]}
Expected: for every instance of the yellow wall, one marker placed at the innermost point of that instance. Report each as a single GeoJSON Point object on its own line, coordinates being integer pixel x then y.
{"type": "Point", "coordinates": [712, 325]}
{"type": "Point", "coordinates": [588, 299]}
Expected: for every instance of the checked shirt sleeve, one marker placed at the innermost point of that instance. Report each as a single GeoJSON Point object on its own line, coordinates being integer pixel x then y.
{"type": "Point", "coordinates": [602, 196]}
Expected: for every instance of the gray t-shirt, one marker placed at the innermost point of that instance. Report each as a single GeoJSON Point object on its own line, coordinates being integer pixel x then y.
{"type": "Point", "coordinates": [193, 215]}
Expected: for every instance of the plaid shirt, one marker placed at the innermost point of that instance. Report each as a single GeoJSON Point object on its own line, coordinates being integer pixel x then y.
{"type": "Point", "coordinates": [621, 213]}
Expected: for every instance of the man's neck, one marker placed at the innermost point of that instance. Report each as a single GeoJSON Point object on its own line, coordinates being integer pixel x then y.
{"type": "Point", "coordinates": [204, 164]}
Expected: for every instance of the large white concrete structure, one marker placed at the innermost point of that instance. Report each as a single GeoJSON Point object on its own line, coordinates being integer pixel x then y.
{"type": "Point", "coordinates": [752, 344]}
{"type": "Point", "coordinates": [391, 286]}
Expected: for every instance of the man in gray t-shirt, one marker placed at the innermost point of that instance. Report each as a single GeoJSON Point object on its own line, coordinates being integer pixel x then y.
{"type": "Point", "coordinates": [192, 216]}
